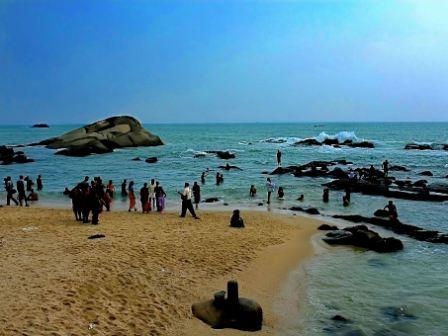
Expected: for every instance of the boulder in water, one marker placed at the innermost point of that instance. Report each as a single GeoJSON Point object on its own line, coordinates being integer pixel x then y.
{"type": "Point", "coordinates": [418, 146]}
{"type": "Point", "coordinates": [327, 227]}
{"type": "Point", "coordinates": [225, 155]}
{"type": "Point", "coordinates": [40, 126]}
{"type": "Point", "coordinates": [9, 156]}
{"type": "Point", "coordinates": [151, 160]}
{"type": "Point", "coordinates": [231, 312]}
{"type": "Point", "coordinates": [426, 173]}
{"type": "Point", "coordinates": [211, 200]}
{"type": "Point", "coordinates": [102, 137]}
{"type": "Point", "coordinates": [381, 213]}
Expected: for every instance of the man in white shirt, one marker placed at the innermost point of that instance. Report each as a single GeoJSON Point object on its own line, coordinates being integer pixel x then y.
{"type": "Point", "coordinates": [270, 186]}
{"type": "Point", "coordinates": [186, 202]}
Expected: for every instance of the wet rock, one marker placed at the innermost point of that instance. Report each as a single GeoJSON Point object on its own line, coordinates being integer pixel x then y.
{"type": "Point", "coordinates": [136, 159]}
{"type": "Point", "coordinates": [9, 156]}
{"type": "Point", "coordinates": [311, 211]}
{"type": "Point", "coordinates": [420, 183]}
{"type": "Point", "coordinates": [151, 160]}
{"type": "Point", "coordinates": [334, 142]}
{"type": "Point", "coordinates": [327, 227]}
{"type": "Point", "coordinates": [102, 137]}
{"type": "Point", "coordinates": [211, 200]}
{"type": "Point", "coordinates": [225, 155]}
{"type": "Point", "coordinates": [418, 146]}
{"type": "Point", "coordinates": [381, 213]}
{"type": "Point", "coordinates": [426, 173]}
{"type": "Point", "coordinates": [399, 168]}
{"type": "Point", "coordinates": [231, 312]}
{"type": "Point", "coordinates": [229, 167]}
{"type": "Point", "coordinates": [340, 318]}
{"type": "Point", "coordinates": [40, 126]}
{"type": "Point", "coordinates": [308, 142]}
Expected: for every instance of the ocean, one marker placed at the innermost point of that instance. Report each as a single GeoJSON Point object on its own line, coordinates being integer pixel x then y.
{"type": "Point", "coordinates": [404, 293]}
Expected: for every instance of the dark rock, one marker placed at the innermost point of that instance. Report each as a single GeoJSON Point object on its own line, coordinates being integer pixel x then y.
{"type": "Point", "coordinates": [211, 200]}
{"type": "Point", "coordinates": [362, 144]}
{"type": "Point", "coordinates": [330, 142]}
{"type": "Point", "coordinates": [327, 227]}
{"type": "Point", "coordinates": [426, 173]}
{"type": "Point", "coordinates": [308, 142]}
{"type": "Point", "coordinates": [231, 312]}
{"type": "Point", "coordinates": [311, 211]}
{"type": "Point", "coordinates": [40, 126]}
{"type": "Point", "coordinates": [361, 236]}
{"type": "Point", "coordinates": [397, 313]}
{"type": "Point", "coordinates": [229, 167]}
{"type": "Point", "coordinates": [282, 170]}
{"type": "Point", "coordinates": [96, 236]}
{"type": "Point", "coordinates": [151, 160]}
{"type": "Point", "coordinates": [8, 156]}
{"type": "Point", "coordinates": [381, 213]}
{"type": "Point", "coordinates": [225, 155]}
{"type": "Point", "coordinates": [334, 143]}
{"type": "Point", "coordinates": [399, 168]}
{"type": "Point", "coordinates": [420, 183]}
{"type": "Point", "coordinates": [340, 318]}
{"type": "Point", "coordinates": [102, 137]}
{"type": "Point", "coordinates": [418, 146]}
{"type": "Point", "coordinates": [136, 159]}
{"type": "Point", "coordinates": [260, 204]}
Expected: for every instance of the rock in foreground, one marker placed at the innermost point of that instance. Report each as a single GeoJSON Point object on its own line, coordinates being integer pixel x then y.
{"type": "Point", "coordinates": [9, 156]}
{"type": "Point", "coordinates": [103, 137]}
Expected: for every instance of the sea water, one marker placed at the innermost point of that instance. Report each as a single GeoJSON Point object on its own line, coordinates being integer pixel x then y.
{"type": "Point", "coordinates": [404, 293]}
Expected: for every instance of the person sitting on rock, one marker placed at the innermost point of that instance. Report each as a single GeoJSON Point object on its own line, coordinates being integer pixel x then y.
{"type": "Point", "coordinates": [33, 196]}
{"type": "Point", "coordinates": [236, 221]}
{"type": "Point", "coordinates": [392, 209]}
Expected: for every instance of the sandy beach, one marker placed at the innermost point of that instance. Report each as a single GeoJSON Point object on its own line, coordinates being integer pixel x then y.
{"type": "Point", "coordinates": [143, 277]}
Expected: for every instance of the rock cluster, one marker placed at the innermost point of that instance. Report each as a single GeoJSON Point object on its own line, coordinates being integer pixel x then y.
{"type": "Point", "coordinates": [416, 146]}
{"type": "Point", "coordinates": [102, 137]}
{"type": "Point", "coordinates": [9, 156]}
{"type": "Point", "coordinates": [334, 142]}
{"type": "Point", "coordinates": [361, 236]}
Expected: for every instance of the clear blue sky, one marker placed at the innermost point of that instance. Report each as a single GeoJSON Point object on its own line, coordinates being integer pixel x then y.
{"type": "Point", "coordinates": [217, 61]}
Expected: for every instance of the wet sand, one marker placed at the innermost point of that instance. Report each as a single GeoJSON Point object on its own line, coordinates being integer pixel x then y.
{"type": "Point", "coordinates": [143, 277]}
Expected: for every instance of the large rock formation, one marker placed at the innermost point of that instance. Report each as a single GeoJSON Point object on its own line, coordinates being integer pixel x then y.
{"type": "Point", "coordinates": [102, 137]}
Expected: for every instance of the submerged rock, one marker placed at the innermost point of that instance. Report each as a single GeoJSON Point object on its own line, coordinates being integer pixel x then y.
{"type": "Point", "coordinates": [40, 126]}
{"type": "Point", "coordinates": [418, 146]}
{"type": "Point", "coordinates": [102, 137]}
{"type": "Point", "coordinates": [231, 312]}
{"type": "Point", "coordinates": [334, 142]}
{"type": "Point", "coordinates": [426, 173]}
{"type": "Point", "coordinates": [151, 160]}
{"type": "Point", "coordinates": [311, 211]}
{"type": "Point", "coordinates": [225, 155]}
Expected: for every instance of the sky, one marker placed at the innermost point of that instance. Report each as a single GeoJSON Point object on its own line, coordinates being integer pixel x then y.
{"type": "Point", "coordinates": [223, 61]}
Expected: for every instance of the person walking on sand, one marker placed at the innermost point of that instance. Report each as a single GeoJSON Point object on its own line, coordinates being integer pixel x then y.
{"type": "Point", "coordinates": [160, 197]}
{"type": "Point", "coordinates": [10, 191]}
{"type": "Point", "coordinates": [152, 194]}
{"type": "Point", "coordinates": [40, 185]}
{"type": "Point", "coordinates": [131, 197]}
{"type": "Point", "coordinates": [270, 186]}
{"type": "Point", "coordinates": [144, 198]}
{"type": "Point", "coordinates": [186, 201]}
{"type": "Point", "coordinates": [196, 194]}
{"type": "Point", "coordinates": [279, 157]}
{"type": "Point", "coordinates": [20, 185]}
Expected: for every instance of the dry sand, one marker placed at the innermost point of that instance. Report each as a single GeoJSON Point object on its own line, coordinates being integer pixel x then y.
{"type": "Point", "coordinates": [143, 277]}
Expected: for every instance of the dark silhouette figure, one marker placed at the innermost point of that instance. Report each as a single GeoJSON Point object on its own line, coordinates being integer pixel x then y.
{"type": "Point", "coordinates": [326, 195]}
{"type": "Point", "coordinates": [39, 182]}
{"type": "Point", "coordinates": [279, 157]}
{"type": "Point", "coordinates": [186, 201]}
{"type": "Point", "coordinates": [10, 191]}
{"type": "Point", "coordinates": [196, 194]}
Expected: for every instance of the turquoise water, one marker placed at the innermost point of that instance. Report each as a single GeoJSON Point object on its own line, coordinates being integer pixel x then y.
{"type": "Point", "coordinates": [359, 285]}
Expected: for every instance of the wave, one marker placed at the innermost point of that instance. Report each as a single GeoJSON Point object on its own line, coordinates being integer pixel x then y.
{"type": "Point", "coordinates": [341, 136]}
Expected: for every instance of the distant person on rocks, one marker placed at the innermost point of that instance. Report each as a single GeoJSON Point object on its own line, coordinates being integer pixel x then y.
{"type": "Point", "coordinates": [160, 197]}
{"type": "Point", "coordinates": [196, 194]}
{"type": "Point", "coordinates": [152, 193]}
{"type": "Point", "coordinates": [131, 197]}
{"type": "Point", "coordinates": [33, 196]}
{"type": "Point", "coordinates": [270, 187]}
{"type": "Point", "coordinates": [124, 191]}
{"type": "Point", "coordinates": [326, 195]}
{"type": "Point", "coordinates": [280, 193]}
{"type": "Point", "coordinates": [20, 185]}
{"type": "Point", "coordinates": [392, 210]}
{"type": "Point", "coordinates": [186, 201]}
{"type": "Point", "coordinates": [39, 182]}
{"type": "Point", "coordinates": [236, 221]}
{"type": "Point", "coordinates": [10, 191]}
{"type": "Point", "coordinates": [386, 168]}
{"type": "Point", "coordinates": [279, 157]}
{"type": "Point", "coordinates": [144, 198]}
{"type": "Point", "coordinates": [252, 191]}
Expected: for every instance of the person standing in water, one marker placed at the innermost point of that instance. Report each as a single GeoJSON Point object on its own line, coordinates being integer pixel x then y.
{"type": "Point", "coordinates": [160, 197]}
{"type": "Point", "coordinates": [279, 157]}
{"type": "Point", "coordinates": [196, 194]}
{"type": "Point", "coordinates": [393, 213]}
{"type": "Point", "coordinates": [40, 185]}
{"type": "Point", "coordinates": [9, 187]}
{"type": "Point", "coordinates": [186, 201]}
{"type": "Point", "coordinates": [152, 193]}
{"type": "Point", "coordinates": [21, 191]}
{"type": "Point", "coordinates": [326, 195]}
{"type": "Point", "coordinates": [252, 191]}
{"type": "Point", "coordinates": [124, 192]}
{"type": "Point", "coordinates": [270, 186]}
{"type": "Point", "coordinates": [144, 198]}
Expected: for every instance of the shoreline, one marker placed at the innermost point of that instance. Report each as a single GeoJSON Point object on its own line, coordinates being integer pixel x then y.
{"type": "Point", "coordinates": [260, 257]}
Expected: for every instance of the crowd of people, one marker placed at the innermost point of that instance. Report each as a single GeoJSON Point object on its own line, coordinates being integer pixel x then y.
{"type": "Point", "coordinates": [90, 197]}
